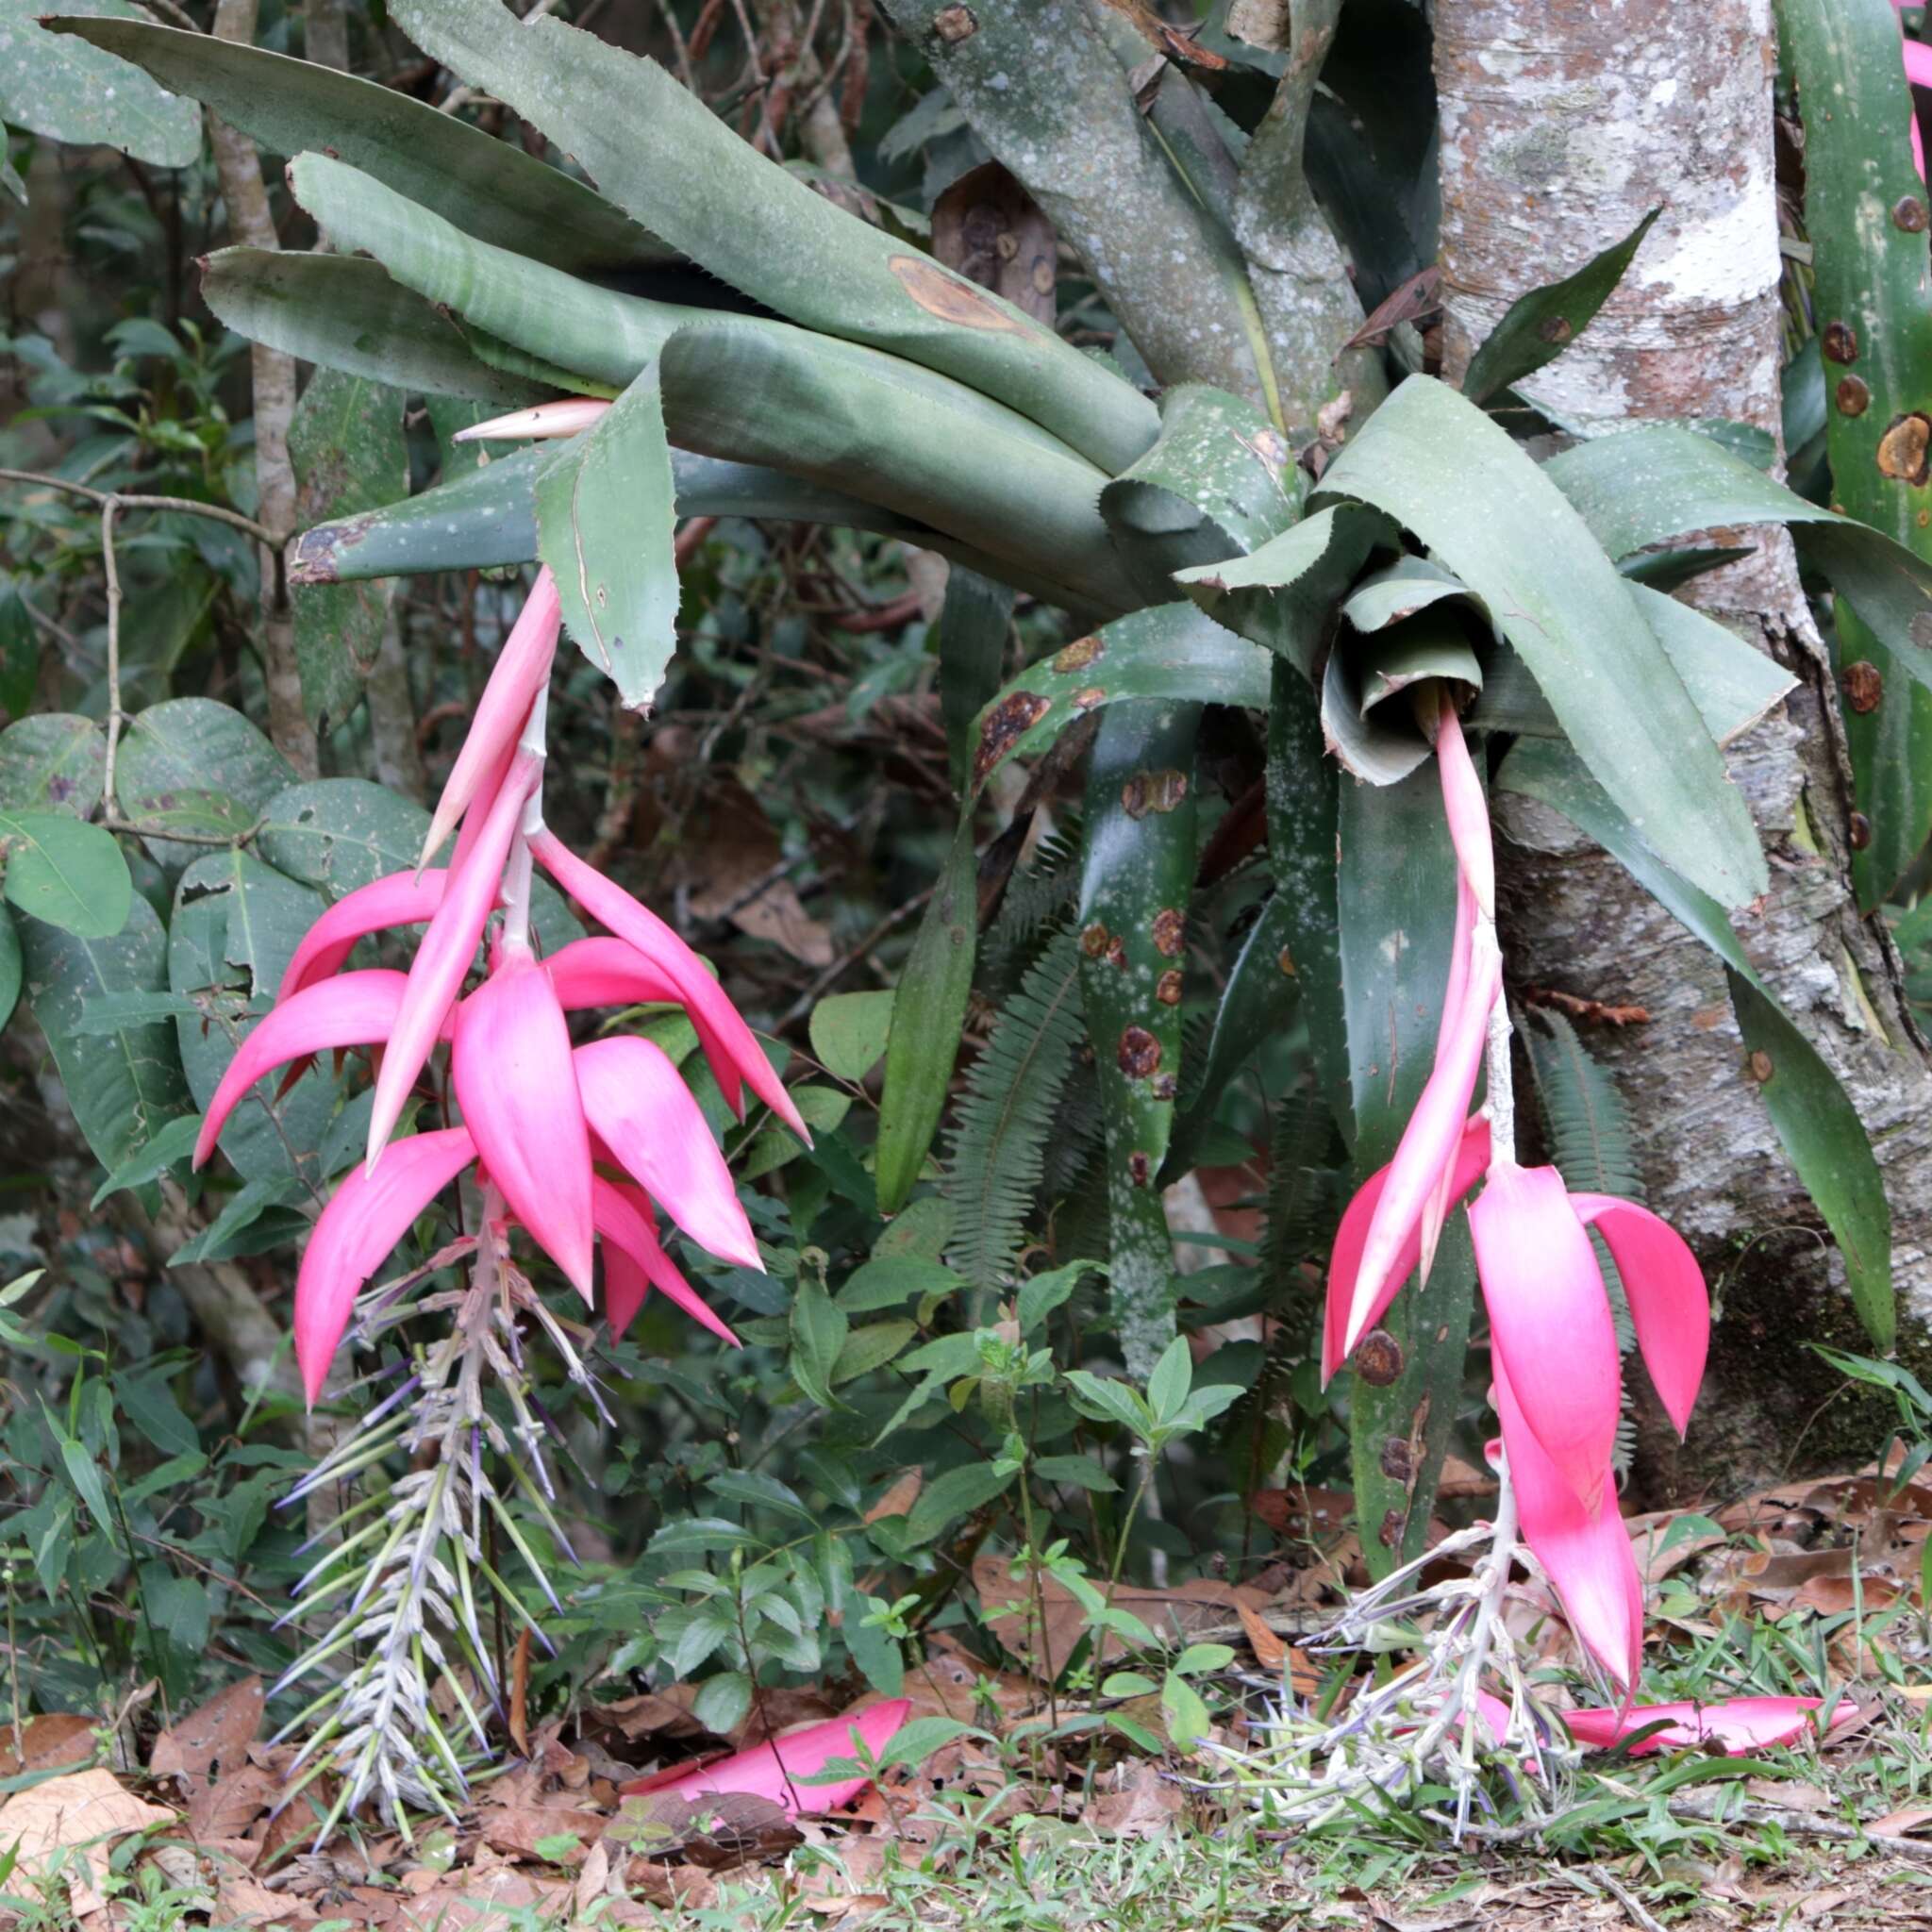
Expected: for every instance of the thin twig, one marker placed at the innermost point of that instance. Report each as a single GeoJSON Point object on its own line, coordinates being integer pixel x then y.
{"type": "Point", "coordinates": [109, 508]}
{"type": "Point", "coordinates": [132, 500]}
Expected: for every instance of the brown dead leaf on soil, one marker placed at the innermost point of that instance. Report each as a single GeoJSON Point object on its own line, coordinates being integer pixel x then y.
{"type": "Point", "coordinates": [46, 1743]}
{"type": "Point", "coordinates": [1141, 1803]}
{"type": "Point", "coordinates": [216, 1735]}
{"type": "Point", "coordinates": [85, 1812]}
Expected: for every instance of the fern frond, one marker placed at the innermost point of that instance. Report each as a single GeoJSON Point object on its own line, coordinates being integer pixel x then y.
{"type": "Point", "coordinates": [997, 1155]}
{"type": "Point", "coordinates": [1304, 1189]}
{"type": "Point", "coordinates": [1589, 1124]}
{"type": "Point", "coordinates": [1077, 1131]}
{"type": "Point", "coordinates": [1034, 899]}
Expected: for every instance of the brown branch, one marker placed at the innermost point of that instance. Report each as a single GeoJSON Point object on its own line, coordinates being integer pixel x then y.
{"type": "Point", "coordinates": [251, 222]}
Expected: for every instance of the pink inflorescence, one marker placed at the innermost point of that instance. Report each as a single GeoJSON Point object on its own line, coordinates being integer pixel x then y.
{"type": "Point", "coordinates": [539, 1118]}
{"type": "Point", "coordinates": [1557, 1377]}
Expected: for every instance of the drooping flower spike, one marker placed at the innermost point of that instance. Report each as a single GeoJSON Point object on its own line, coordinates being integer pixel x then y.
{"type": "Point", "coordinates": [1736, 1726]}
{"type": "Point", "coordinates": [536, 1113]}
{"type": "Point", "coordinates": [1557, 1373]}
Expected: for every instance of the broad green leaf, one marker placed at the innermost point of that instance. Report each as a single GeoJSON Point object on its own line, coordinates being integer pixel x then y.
{"type": "Point", "coordinates": [11, 967]}
{"type": "Point", "coordinates": [1642, 487]}
{"type": "Point", "coordinates": [890, 1281]}
{"type": "Point", "coordinates": [952, 1495]}
{"type": "Point", "coordinates": [1172, 1376]}
{"type": "Point", "coordinates": [340, 834]}
{"type": "Point", "coordinates": [1169, 652]}
{"type": "Point", "coordinates": [605, 514]}
{"type": "Point", "coordinates": [52, 761]}
{"type": "Point", "coordinates": [819, 1329]}
{"type": "Point", "coordinates": [126, 1086]}
{"type": "Point", "coordinates": [849, 1032]}
{"type": "Point", "coordinates": [1443, 469]}
{"type": "Point", "coordinates": [869, 1348]}
{"type": "Point", "coordinates": [20, 650]}
{"type": "Point", "coordinates": [260, 1216]}
{"type": "Point", "coordinates": [1812, 1114]}
{"type": "Point", "coordinates": [821, 1108]}
{"type": "Point", "coordinates": [1395, 897]}
{"type": "Point", "coordinates": [571, 325]}
{"type": "Point", "coordinates": [972, 628]}
{"type": "Point", "coordinates": [174, 1143]}
{"type": "Point", "coordinates": [1540, 326]}
{"type": "Point", "coordinates": [761, 1490]}
{"type": "Point", "coordinates": [347, 314]}
{"type": "Point", "coordinates": [68, 873]}
{"type": "Point", "coordinates": [1138, 854]}
{"type": "Point", "coordinates": [490, 186]}
{"type": "Point", "coordinates": [237, 924]}
{"type": "Point", "coordinates": [928, 1010]}
{"type": "Point", "coordinates": [1041, 1294]}
{"type": "Point", "coordinates": [1871, 352]}
{"type": "Point", "coordinates": [71, 91]}
{"type": "Point", "coordinates": [193, 765]}
{"type": "Point", "coordinates": [350, 457]}
{"type": "Point", "coordinates": [1077, 1471]}
{"type": "Point", "coordinates": [858, 420]}
{"type": "Point", "coordinates": [148, 1403]}
{"type": "Point", "coordinates": [721, 1705]}
{"type": "Point", "coordinates": [661, 155]}
{"type": "Point", "coordinates": [878, 1656]}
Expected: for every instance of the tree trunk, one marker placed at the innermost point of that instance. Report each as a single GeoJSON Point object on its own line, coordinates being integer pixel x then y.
{"type": "Point", "coordinates": [1563, 124]}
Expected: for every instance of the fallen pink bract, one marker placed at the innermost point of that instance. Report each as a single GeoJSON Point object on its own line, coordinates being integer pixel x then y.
{"type": "Point", "coordinates": [773, 1771]}
{"type": "Point", "coordinates": [1738, 1725]}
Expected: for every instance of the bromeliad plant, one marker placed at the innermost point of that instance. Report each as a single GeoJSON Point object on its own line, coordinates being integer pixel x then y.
{"type": "Point", "coordinates": [1386, 579]}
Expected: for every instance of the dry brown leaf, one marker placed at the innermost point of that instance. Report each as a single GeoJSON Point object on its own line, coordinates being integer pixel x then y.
{"type": "Point", "coordinates": [1908, 1818]}
{"type": "Point", "coordinates": [520, 1692]}
{"type": "Point", "coordinates": [1141, 1805]}
{"type": "Point", "coordinates": [240, 1900]}
{"type": "Point", "coordinates": [730, 850]}
{"type": "Point", "coordinates": [477, 1900]}
{"type": "Point", "coordinates": [85, 1808]}
{"type": "Point", "coordinates": [516, 1829]}
{"type": "Point", "coordinates": [219, 1734]}
{"type": "Point", "coordinates": [226, 1811]}
{"type": "Point", "coordinates": [1270, 1651]}
{"type": "Point", "coordinates": [899, 1499]}
{"type": "Point", "coordinates": [650, 1716]}
{"type": "Point", "coordinates": [46, 1743]}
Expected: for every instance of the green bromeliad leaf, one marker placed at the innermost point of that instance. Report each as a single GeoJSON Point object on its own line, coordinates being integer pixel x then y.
{"type": "Point", "coordinates": [661, 155]}
{"type": "Point", "coordinates": [1542, 323]}
{"type": "Point", "coordinates": [69, 90]}
{"type": "Point", "coordinates": [1873, 385]}
{"type": "Point", "coordinates": [572, 325]}
{"type": "Point", "coordinates": [925, 446]}
{"type": "Point", "coordinates": [1440, 467]}
{"type": "Point", "coordinates": [485, 517]}
{"type": "Point", "coordinates": [1173, 652]}
{"type": "Point", "coordinates": [347, 314]}
{"type": "Point", "coordinates": [606, 512]}
{"type": "Point", "coordinates": [1645, 486]}
{"type": "Point", "coordinates": [1137, 876]}
{"type": "Point", "coordinates": [1395, 897]}
{"type": "Point", "coordinates": [490, 186]}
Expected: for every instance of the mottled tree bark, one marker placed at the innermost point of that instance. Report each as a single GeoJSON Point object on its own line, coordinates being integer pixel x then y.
{"type": "Point", "coordinates": [1563, 123]}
